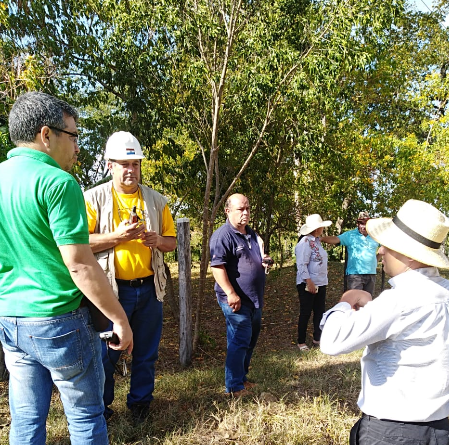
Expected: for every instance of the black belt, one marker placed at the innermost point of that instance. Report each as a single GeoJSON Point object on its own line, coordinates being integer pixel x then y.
{"type": "Point", "coordinates": [437, 424]}
{"type": "Point", "coordinates": [136, 282]}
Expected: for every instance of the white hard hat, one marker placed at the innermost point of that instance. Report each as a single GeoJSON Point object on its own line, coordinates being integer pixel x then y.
{"type": "Point", "coordinates": [123, 145]}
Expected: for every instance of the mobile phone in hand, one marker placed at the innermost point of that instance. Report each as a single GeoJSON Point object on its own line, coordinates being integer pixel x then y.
{"type": "Point", "coordinates": [110, 337]}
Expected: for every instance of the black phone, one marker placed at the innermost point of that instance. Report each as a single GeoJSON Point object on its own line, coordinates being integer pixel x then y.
{"type": "Point", "coordinates": [110, 337]}
{"type": "Point", "coordinates": [133, 217]}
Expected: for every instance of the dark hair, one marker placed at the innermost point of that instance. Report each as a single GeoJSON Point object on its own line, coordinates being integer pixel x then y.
{"type": "Point", "coordinates": [32, 111]}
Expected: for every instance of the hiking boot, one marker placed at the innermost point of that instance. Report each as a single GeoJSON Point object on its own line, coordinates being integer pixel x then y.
{"type": "Point", "coordinates": [237, 394]}
{"type": "Point", "coordinates": [139, 412]}
{"type": "Point", "coordinates": [249, 385]}
{"type": "Point", "coordinates": [108, 413]}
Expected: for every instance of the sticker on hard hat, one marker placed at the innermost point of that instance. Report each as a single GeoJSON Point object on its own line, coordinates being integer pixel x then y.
{"type": "Point", "coordinates": [130, 151]}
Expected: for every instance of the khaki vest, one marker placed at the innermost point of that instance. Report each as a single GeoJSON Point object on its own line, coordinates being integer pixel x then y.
{"type": "Point", "coordinates": [100, 198]}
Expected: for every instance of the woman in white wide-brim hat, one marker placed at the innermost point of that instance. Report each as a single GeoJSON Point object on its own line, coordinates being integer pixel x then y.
{"type": "Point", "coordinates": [311, 278]}
{"type": "Point", "coordinates": [405, 367]}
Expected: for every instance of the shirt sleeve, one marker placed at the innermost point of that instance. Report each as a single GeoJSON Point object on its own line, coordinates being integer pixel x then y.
{"type": "Point", "coordinates": [168, 225]}
{"type": "Point", "coordinates": [303, 252]}
{"type": "Point", "coordinates": [91, 217]}
{"type": "Point", "coordinates": [345, 330]}
{"type": "Point", "coordinates": [67, 213]}
{"type": "Point", "coordinates": [344, 238]}
{"type": "Point", "coordinates": [218, 251]}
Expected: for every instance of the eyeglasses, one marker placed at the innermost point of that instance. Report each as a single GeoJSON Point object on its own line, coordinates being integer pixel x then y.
{"type": "Point", "coordinates": [74, 135]}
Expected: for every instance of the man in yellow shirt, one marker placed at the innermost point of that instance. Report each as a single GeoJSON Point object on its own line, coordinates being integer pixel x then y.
{"type": "Point", "coordinates": [130, 227]}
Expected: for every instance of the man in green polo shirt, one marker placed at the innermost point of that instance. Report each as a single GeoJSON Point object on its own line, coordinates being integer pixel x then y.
{"type": "Point", "coordinates": [46, 267]}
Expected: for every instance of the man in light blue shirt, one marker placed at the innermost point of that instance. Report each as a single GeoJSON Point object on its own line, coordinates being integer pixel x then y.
{"type": "Point", "coordinates": [362, 255]}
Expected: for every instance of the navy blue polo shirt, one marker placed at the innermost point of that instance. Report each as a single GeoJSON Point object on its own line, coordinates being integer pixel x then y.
{"type": "Point", "coordinates": [242, 260]}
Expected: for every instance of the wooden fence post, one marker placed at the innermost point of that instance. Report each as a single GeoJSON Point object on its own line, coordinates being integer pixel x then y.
{"type": "Point", "coordinates": [185, 292]}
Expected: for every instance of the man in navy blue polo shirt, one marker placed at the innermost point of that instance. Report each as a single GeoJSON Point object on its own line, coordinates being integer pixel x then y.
{"type": "Point", "coordinates": [237, 261]}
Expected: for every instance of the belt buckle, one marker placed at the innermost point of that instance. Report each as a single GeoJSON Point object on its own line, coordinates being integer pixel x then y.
{"type": "Point", "coordinates": [136, 282]}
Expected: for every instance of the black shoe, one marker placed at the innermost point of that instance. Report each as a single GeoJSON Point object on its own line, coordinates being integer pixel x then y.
{"type": "Point", "coordinates": [108, 413]}
{"type": "Point", "coordinates": [139, 412]}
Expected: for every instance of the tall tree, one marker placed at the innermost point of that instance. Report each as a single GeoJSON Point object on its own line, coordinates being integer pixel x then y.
{"type": "Point", "coordinates": [211, 88]}
{"type": "Point", "coordinates": [242, 64]}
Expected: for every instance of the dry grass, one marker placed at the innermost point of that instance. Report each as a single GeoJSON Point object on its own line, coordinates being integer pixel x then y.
{"type": "Point", "coordinates": [301, 398]}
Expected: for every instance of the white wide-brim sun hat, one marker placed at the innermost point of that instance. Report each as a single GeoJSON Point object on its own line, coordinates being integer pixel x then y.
{"type": "Point", "coordinates": [313, 222]}
{"type": "Point", "coordinates": [417, 231]}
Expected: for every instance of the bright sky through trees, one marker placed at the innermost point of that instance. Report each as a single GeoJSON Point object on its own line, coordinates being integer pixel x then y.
{"type": "Point", "coordinates": [425, 6]}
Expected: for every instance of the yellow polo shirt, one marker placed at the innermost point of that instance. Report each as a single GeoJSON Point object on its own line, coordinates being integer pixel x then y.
{"type": "Point", "coordinates": [132, 259]}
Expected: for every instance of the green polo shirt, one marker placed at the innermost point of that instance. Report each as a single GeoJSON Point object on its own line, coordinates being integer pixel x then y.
{"type": "Point", "coordinates": [41, 208]}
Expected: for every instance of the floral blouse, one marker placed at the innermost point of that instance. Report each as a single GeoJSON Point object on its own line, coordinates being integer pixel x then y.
{"type": "Point", "coordinates": [311, 261]}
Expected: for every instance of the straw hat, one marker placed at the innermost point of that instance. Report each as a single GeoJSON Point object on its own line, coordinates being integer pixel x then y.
{"type": "Point", "coordinates": [363, 217]}
{"type": "Point", "coordinates": [417, 232]}
{"type": "Point", "coordinates": [312, 223]}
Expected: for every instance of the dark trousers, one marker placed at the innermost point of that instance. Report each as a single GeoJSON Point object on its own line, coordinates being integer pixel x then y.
{"type": "Point", "coordinates": [307, 303]}
{"type": "Point", "coordinates": [145, 316]}
{"type": "Point", "coordinates": [364, 282]}
{"type": "Point", "coordinates": [372, 431]}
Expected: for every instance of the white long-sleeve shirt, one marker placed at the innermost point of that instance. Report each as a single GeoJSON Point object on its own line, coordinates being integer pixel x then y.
{"type": "Point", "coordinates": [405, 365]}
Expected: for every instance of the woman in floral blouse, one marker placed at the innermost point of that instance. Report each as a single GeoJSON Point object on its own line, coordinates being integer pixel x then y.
{"type": "Point", "coordinates": [311, 278]}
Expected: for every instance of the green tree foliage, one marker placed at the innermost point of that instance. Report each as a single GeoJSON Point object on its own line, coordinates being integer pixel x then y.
{"type": "Point", "coordinates": [329, 106]}
{"type": "Point", "coordinates": [19, 72]}
{"type": "Point", "coordinates": [384, 140]}
{"type": "Point", "coordinates": [5, 143]}
{"type": "Point", "coordinates": [112, 60]}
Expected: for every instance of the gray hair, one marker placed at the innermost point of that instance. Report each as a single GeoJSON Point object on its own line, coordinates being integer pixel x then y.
{"type": "Point", "coordinates": [32, 111]}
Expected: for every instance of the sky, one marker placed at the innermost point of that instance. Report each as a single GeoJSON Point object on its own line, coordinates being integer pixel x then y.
{"type": "Point", "coordinates": [422, 5]}
{"type": "Point", "coordinates": [425, 5]}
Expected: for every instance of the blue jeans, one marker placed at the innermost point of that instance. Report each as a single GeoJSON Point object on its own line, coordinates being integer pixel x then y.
{"type": "Point", "coordinates": [242, 332]}
{"type": "Point", "coordinates": [64, 350]}
{"type": "Point", "coordinates": [145, 316]}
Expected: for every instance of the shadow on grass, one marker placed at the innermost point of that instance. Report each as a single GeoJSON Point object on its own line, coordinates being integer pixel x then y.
{"type": "Point", "coordinates": [194, 399]}
{"type": "Point", "coordinates": [190, 406]}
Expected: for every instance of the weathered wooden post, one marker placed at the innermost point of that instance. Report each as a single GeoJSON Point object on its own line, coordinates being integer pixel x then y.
{"type": "Point", "coordinates": [185, 292]}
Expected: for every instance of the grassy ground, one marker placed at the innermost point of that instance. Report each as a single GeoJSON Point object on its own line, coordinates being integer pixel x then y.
{"type": "Point", "coordinates": [301, 398]}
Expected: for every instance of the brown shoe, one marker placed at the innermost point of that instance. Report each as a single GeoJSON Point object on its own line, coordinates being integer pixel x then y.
{"type": "Point", "coordinates": [237, 394]}
{"type": "Point", "coordinates": [249, 385]}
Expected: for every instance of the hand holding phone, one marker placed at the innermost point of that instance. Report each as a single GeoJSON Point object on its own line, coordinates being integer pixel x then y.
{"type": "Point", "coordinates": [110, 337]}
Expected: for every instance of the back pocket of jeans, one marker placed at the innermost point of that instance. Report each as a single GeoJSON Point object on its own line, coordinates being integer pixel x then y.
{"type": "Point", "coordinates": [61, 355]}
